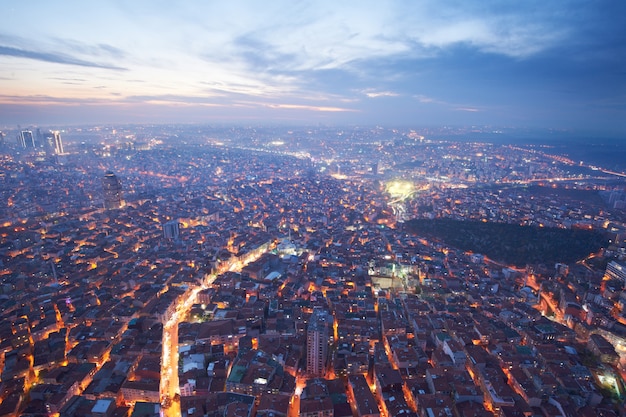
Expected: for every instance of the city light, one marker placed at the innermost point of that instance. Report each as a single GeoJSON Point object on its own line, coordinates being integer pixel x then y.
{"type": "Point", "coordinates": [399, 189]}
{"type": "Point", "coordinates": [199, 267]}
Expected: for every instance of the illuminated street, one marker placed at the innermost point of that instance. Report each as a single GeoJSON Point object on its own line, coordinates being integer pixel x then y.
{"type": "Point", "coordinates": [169, 385]}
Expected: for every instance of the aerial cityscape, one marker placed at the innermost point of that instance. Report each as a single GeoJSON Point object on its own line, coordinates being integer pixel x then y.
{"type": "Point", "coordinates": [198, 270]}
{"type": "Point", "coordinates": [281, 209]}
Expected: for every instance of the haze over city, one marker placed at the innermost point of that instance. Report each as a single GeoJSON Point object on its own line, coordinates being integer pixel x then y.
{"type": "Point", "coordinates": [524, 64]}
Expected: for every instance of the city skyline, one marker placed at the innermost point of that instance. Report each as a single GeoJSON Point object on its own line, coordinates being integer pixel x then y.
{"type": "Point", "coordinates": [527, 65]}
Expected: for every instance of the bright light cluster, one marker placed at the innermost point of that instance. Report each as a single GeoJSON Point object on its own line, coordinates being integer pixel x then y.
{"type": "Point", "coordinates": [399, 189]}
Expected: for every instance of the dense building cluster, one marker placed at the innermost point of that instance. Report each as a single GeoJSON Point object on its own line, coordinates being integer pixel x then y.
{"type": "Point", "coordinates": [244, 272]}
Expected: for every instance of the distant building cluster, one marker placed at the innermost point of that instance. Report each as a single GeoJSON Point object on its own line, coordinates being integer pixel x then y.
{"type": "Point", "coordinates": [50, 141]}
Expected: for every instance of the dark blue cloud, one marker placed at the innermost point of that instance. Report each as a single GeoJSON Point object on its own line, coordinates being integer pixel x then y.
{"type": "Point", "coordinates": [53, 58]}
{"type": "Point", "coordinates": [97, 50]}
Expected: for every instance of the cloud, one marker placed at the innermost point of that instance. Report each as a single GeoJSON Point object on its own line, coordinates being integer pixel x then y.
{"type": "Point", "coordinates": [173, 99]}
{"type": "Point", "coordinates": [376, 94]}
{"type": "Point", "coordinates": [421, 57]}
{"type": "Point", "coordinates": [37, 99]}
{"type": "Point", "coordinates": [497, 34]}
{"type": "Point", "coordinates": [167, 100]}
{"type": "Point", "coordinates": [311, 108]}
{"type": "Point", "coordinates": [342, 36]}
{"type": "Point", "coordinates": [67, 79]}
{"type": "Point", "coordinates": [82, 48]}
{"type": "Point", "coordinates": [425, 99]}
{"type": "Point", "coordinates": [112, 51]}
{"type": "Point", "coordinates": [53, 57]}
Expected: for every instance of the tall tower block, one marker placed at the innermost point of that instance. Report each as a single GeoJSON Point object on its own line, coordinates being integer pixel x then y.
{"type": "Point", "coordinates": [317, 341]}
{"type": "Point", "coordinates": [53, 142]}
{"type": "Point", "coordinates": [112, 191]}
{"type": "Point", "coordinates": [26, 139]}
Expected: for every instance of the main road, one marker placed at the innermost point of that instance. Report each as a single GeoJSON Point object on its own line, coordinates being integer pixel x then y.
{"type": "Point", "coordinates": [169, 385]}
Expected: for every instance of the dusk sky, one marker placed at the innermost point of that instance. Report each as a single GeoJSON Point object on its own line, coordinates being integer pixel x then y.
{"type": "Point", "coordinates": [558, 64]}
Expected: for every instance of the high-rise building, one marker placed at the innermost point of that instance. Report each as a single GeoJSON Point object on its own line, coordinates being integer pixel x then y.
{"type": "Point", "coordinates": [58, 143]}
{"type": "Point", "coordinates": [53, 142]}
{"type": "Point", "coordinates": [112, 191]}
{"type": "Point", "coordinates": [171, 230]}
{"type": "Point", "coordinates": [26, 139]}
{"type": "Point", "coordinates": [615, 270]}
{"type": "Point", "coordinates": [39, 142]}
{"type": "Point", "coordinates": [317, 341]}
{"type": "Point", "coordinates": [48, 142]}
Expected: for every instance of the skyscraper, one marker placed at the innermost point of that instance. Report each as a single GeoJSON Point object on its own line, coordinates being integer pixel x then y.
{"type": "Point", "coordinates": [26, 139]}
{"type": "Point", "coordinates": [58, 143]}
{"type": "Point", "coordinates": [317, 340]}
{"type": "Point", "coordinates": [112, 191]}
{"type": "Point", "coordinates": [53, 142]}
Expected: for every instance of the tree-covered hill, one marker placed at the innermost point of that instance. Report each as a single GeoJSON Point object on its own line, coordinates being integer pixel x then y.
{"type": "Point", "coordinates": [509, 243]}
